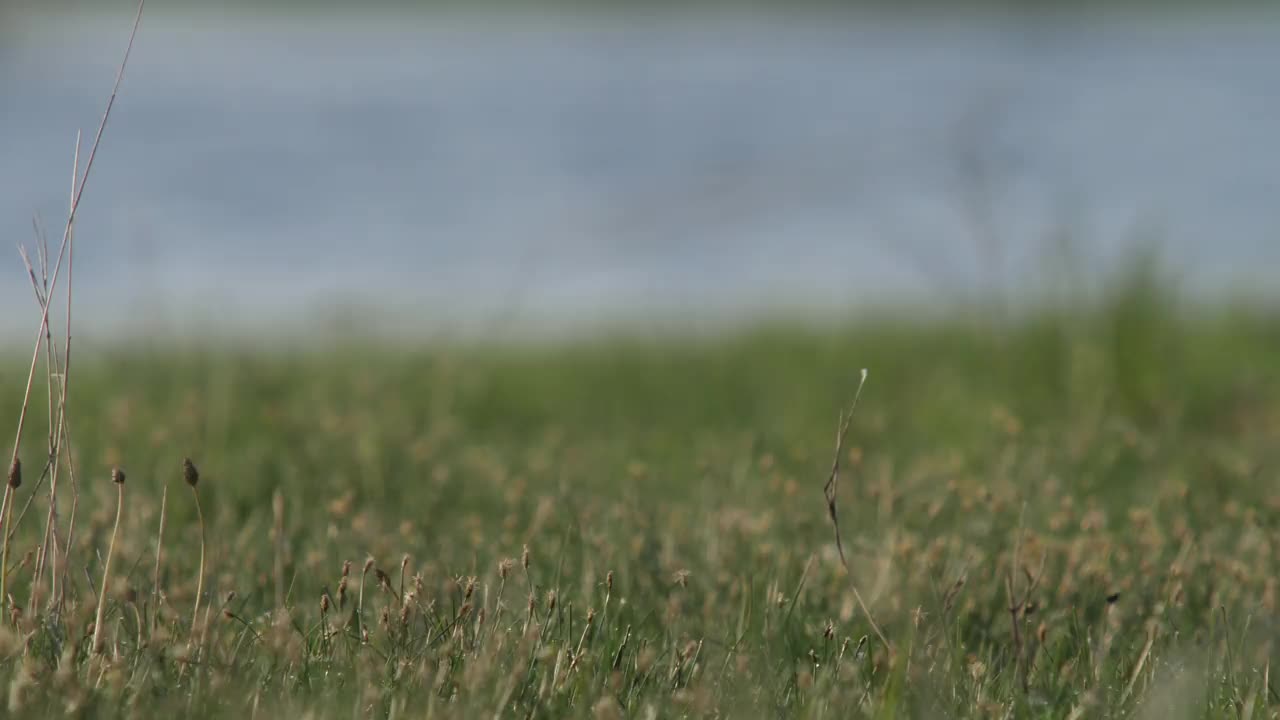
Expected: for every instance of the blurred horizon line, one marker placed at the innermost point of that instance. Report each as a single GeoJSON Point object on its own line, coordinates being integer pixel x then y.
{"type": "Point", "coordinates": [890, 8]}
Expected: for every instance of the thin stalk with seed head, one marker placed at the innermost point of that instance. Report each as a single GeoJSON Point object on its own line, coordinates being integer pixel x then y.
{"type": "Point", "coordinates": [117, 476]}
{"type": "Point", "coordinates": [368, 565]}
{"type": "Point", "coordinates": [192, 476]}
{"type": "Point", "coordinates": [6, 513]}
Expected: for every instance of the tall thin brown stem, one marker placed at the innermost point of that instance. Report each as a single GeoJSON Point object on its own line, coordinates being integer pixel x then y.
{"type": "Point", "coordinates": [6, 531]}
{"type": "Point", "coordinates": [66, 233]}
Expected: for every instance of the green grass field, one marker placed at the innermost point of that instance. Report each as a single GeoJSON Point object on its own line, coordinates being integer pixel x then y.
{"type": "Point", "coordinates": [1071, 515]}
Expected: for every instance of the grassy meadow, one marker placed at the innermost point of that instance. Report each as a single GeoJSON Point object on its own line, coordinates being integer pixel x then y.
{"type": "Point", "coordinates": [1073, 514]}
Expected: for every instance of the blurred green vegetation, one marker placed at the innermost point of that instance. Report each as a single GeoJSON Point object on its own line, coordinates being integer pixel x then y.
{"type": "Point", "coordinates": [1124, 446]}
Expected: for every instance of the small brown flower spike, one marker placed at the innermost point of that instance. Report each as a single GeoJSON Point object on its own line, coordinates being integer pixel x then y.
{"type": "Point", "coordinates": [192, 476]}
{"type": "Point", "coordinates": [117, 476]}
{"type": "Point", "coordinates": [189, 472]}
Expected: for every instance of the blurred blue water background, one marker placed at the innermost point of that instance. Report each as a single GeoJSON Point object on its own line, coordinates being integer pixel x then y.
{"type": "Point", "coordinates": [498, 175]}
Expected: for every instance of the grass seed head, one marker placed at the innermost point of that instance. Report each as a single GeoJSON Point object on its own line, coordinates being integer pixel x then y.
{"type": "Point", "coordinates": [117, 476]}
{"type": "Point", "coordinates": [189, 472]}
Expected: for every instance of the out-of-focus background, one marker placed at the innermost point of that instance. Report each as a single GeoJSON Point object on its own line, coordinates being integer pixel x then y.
{"type": "Point", "coordinates": [503, 169]}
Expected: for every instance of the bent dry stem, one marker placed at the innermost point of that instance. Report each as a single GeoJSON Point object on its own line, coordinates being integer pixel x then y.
{"type": "Point", "coordinates": [830, 492]}
{"type": "Point", "coordinates": [117, 477]}
{"type": "Point", "coordinates": [192, 478]}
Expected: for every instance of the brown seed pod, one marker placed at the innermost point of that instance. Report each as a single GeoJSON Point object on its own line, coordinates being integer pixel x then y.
{"type": "Point", "coordinates": [15, 473]}
{"type": "Point", "coordinates": [189, 472]}
{"type": "Point", "coordinates": [117, 476]}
